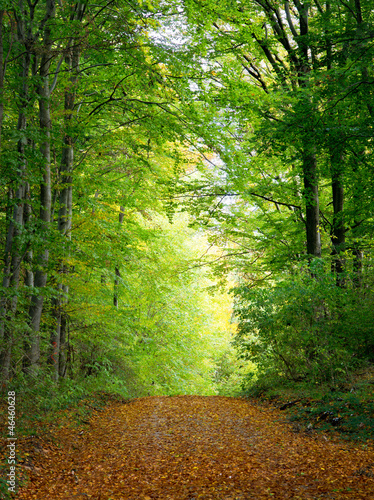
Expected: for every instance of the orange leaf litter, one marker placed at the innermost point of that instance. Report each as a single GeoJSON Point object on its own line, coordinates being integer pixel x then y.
{"type": "Point", "coordinates": [195, 447]}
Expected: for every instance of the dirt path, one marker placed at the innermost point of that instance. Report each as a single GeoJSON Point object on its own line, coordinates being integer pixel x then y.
{"type": "Point", "coordinates": [191, 447]}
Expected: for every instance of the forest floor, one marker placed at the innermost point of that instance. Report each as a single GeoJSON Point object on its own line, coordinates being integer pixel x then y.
{"type": "Point", "coordinates": [189, 448]}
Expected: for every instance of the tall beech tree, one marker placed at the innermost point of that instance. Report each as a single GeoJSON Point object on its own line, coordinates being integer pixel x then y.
{"type": "Point", "coordinates": [89, 73]}
{"type": "Point", "coordinates": [32, 353]}
{"type": "Point", "coordinates": [288, 88]}
{"type": "Point", "coordinates": [13, 247]}
{"type": "Point", "coordinates": [64, 190]}
{"type": "Point", "coordinates": [284, 82]}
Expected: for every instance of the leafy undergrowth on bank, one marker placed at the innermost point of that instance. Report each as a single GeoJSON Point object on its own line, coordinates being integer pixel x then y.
{"type": "Point", "coordinates": [192, 447]}
{"type": "Point", "coordinates": [345, 409]}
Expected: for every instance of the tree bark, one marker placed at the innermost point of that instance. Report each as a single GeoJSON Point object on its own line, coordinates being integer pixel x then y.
{"type": "Point", "coordinates": [27, 215]}
{"type": "Point", "coordinates": [298, 55]}
{"type": "Point", "coordinates": [13, 245]}
{"type": "Point", "coordinates": [1, 73]}
{"type": "Point", "coordinates": [116, 270]}
{"type": "Point", "coordinates": [313, 237]}
{"type": "Point", "coordinates": [338, 225]}
{"type": "Point", "coordinates": [311, 196]}
{"type": "Point", "coordinates": [58, 339]}
{"type": "Point", "coordinates": [32, 354]}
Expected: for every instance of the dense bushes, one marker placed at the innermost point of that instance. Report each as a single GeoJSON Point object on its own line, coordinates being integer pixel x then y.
{"type": "Point", "coordinates": [305, 328]}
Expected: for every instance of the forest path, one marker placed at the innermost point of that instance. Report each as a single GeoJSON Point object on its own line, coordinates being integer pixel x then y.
{"type": "Point", "coordinates": [195, 447]}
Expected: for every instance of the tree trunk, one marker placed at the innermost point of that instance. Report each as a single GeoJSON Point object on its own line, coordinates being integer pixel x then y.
{"type": "Point", "coordinates": [58, 337]}
{"type": "Point", "coordinates": [1, 73]}
{"type": "Point", "coordinates": [64, 345]}
{"type": "Point", "coordinates": [358, 254]}
{"type": "Point", "coordinates": [338, 226]}
{"type": "Point", "coordinates": [27, 214]}
{"type": "Point", "coordinates": [357, 251]}
{"type": "Point", "coordinates": [116, 270]}
{"type": "Point", "coordinates": [299, 58]}
{"type": "Point", "coordinates": [53, 358]}
{"type": "Point", "coordinates": [36, 307]}
{"type": "Point", "coordinates": [13, 245]}
{"type": "Point", "coordinates": [313, 237]}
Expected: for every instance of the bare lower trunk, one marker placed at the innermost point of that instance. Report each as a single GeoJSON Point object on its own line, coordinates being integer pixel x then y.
{"type": "Point", "coordinates": [1, 73]}
{"type": "Point", "coordinates": [116, 283]}
{"type": "Point", "coordinates": [40, 281]}
{"type": "Point", "coordinates": [36, 307]}
{"type": "Point", "coordinates": [11, 278]}
{"type": "Point", "coordinates": [313, 237]}
{"type": "Point", "coordinates": [116, 270]}
{"type": "Point", "coordinates": [62, 360]}
{"type": "Point", "coordinates": [53, 358]}
{"type": "Point", "coordinates": [338, 226]}
{"type": "Point", "coordinates": [13, 244]}
{"type": "Point", "coordinates": [59, 337]}
{"type": "Point", "coordinates": [27, 214]}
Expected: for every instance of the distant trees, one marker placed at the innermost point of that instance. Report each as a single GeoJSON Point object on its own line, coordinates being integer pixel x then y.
{"type": "Point", "coordinates": [286, 89]}
{"type": "Point", "coordinates": [270, 102]}
{"type": "Point", "coordinates": [88, 143]}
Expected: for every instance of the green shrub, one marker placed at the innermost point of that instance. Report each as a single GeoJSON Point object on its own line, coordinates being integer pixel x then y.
{"type": "Point", "coordinates": [305, 328]}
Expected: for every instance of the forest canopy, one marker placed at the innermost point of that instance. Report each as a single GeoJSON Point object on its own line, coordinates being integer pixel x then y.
{"type": "Point", "coordinates": [157, 155]}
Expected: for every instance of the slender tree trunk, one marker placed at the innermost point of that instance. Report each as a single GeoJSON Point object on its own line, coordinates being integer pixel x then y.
{"type": "Point", "coordinates": [1, 73]}
{"type": "Point", "coordinates": [313, 236]}
{"type": "Point", "coordinates": [311, 196]}
{"type": "Point", "coordinates": [338, 226]}
{"type": "Point", "coordinates": [11, 275]}
{"type": "Point", "coordinates": [54, 354]}
{"type": "Point", "coordinates": [116, 283]}
{"type": "Point", "coordinates": [116, 270]}
{"type": "Point", "coordinates": [27, 215]}
{"type": "Point", "coordinates": [64, 345]}
{"type": "Point", "coordinates": [59, 337]}
{"type": "Point", "coordinates": [13, 244]}
{"type": "Point", "coordinates": [357, 251]}
{"type": "Point", "coordinates": [11, 278]}
{"type": "Point", "coordinates": [358, 254]}
{"type": "Point", "coordinates": [36, 307]}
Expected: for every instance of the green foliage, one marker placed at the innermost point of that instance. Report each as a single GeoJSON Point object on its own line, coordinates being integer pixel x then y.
{"type": "Point", "coordinates": [302, 328]}
{"type": "Point", "coordinates": [348, 414]}
{"type": "Point", "coordinates": [165, 329]}
{"type": "Point", "coordinates": [229, 373]}
{"type": "Point", "coordinates": [119, 289]}
{"type": "Point", "coordinates": [218, 124]}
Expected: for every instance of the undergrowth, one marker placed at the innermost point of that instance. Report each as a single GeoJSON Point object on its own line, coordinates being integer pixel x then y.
{"type": "Point", "coordinates": [42, 405]}
{"type": "Point", "coordinates": [345, 409]}
{"type": "Point", "coordinates": [40, 399]}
